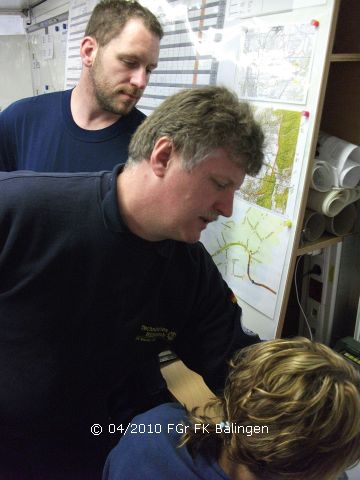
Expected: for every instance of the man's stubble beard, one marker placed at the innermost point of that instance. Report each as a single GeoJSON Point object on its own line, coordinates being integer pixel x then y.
{"type": "Point", "coordinates": [105, 98]}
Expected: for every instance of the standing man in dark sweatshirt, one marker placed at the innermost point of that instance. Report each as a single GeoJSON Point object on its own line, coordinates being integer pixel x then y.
{"type": "Point", "coordinates": [101, 271]}
{"type": "Point", "coordinates": [88, 128]}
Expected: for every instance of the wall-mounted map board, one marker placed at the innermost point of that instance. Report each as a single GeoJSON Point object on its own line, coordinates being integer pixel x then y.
{"type": "Point", "coordinates": [273, 55]}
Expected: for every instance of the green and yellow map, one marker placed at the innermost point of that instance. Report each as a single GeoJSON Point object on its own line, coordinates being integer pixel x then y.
{"type": "Point", "coordinates": [270, 188]}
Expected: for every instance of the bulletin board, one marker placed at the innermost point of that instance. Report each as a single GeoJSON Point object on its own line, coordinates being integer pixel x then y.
{"type": "Point", "coordinates": [266, 52]}
{"type": "Point", "coordinates": [47, 47]}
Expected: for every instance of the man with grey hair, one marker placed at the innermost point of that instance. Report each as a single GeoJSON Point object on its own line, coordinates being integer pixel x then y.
{"type": "Point", "coordinates": [100, 271]}
{"type": "Point", "coordinates": [89, 127]}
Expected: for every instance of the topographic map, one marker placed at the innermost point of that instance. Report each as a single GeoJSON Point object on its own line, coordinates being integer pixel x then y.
{"type": "Point", "coordinates": [250, 247]}
{"type": "Point", "coordinates": [249, 250]}
{"type": "Point", "coordinates": [270, 188]}
{"type": "Point", "coordinates": [274, 63]}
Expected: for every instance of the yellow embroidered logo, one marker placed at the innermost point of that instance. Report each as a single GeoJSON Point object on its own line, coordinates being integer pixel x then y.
{"type": "Point", "coordinates": [151, 334]}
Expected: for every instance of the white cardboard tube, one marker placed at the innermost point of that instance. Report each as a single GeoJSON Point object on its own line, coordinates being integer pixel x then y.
{"type": "Point", "coordinates": [313, 226]}
{"type": "Point", "coordinates": [342, 223]}
{"type": "Point", "coordinates": [331, 203]}
{"type": "Point", "coordinates": [350, 176]}
{"type": "Point", "coordinates": [323, 176]}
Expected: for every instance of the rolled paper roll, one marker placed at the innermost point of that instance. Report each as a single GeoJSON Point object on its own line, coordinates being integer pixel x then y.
{"type": "Point", "coordinates": [323, 176]}
{"type": "Point", "coordinates": [331, 203]}
{"type": "Point", "coordinates": [313, 226]}
{"type": "Point", "coordinates": [322, 138]}
{"type": "Point", "coordinates": [349, 177]}
{"type": "Point", "coordinates": [342, 223]}
{"type": "Point", "coordinates": [337, 151]}
{"type": "Point", "coordinates": [354, 195]}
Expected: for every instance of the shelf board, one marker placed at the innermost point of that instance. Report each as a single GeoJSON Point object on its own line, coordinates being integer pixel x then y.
{"type": "Point", "coordinates": [325, 241]}
{"type": "Point", "coordinates": [345, 57]}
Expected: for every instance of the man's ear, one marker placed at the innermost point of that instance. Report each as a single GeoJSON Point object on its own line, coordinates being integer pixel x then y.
{"type": "Point", "coordinates": [160, 156]}
{"type": "Point", "coordinates": [88, 50]}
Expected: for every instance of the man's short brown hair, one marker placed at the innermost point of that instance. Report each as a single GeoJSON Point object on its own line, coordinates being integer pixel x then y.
{"type": "Point", "coordinates": [110, 16]}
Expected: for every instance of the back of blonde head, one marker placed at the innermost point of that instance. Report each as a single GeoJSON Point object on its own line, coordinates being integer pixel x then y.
{"type": "Point", "coordinates": [306, 395]}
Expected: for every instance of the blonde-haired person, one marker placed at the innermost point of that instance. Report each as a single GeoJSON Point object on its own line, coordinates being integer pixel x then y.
{"type": "Point", "coordinates": [290, 411]}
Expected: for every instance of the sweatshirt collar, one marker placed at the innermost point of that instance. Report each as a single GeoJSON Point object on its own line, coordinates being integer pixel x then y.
{"type": "Point", "coordinates": [112, 217]}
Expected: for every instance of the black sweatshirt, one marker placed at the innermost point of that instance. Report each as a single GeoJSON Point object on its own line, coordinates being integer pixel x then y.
{"type": "Point", "coordinates": [83, 300]}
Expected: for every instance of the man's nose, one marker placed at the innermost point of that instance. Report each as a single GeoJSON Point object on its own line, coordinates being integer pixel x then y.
{"type": "Point", "coordinates": [140, 78]}
{"type": "Point", "coordinates": [224, 206]}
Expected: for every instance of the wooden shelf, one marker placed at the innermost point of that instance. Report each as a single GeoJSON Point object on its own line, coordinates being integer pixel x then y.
{"type": "Point", "coordinates": [347, 38]}
{"type": "Point", "coordinates": [345, 57]}
{"type": "Point", "coordinates": [323, 242]}
{"type": "Point", "coordinates": [340, 116]}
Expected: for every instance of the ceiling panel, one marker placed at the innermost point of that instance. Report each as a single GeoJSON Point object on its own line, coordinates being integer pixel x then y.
{"type": "Point", "coordinates": [16, 5]}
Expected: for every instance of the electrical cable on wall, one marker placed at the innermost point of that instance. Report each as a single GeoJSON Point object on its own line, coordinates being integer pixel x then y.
{"type": "Point", "coordinates": [298, 299]}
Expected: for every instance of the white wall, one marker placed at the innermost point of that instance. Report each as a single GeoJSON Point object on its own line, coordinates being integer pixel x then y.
{"type": "Point", "coordinates": [15, 78]}
{"type": "Point", "coordinates": [16, 65]}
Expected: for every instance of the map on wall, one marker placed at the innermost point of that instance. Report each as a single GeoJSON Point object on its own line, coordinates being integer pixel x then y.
{"type": "Point", "coordinates": [264, 51]}
{"type": "Point", "coordinates": [249, 250]}
{"type": "Point", "coordinates": [274, 62]}
{"type": "Point", "coordinates": [270, 188]}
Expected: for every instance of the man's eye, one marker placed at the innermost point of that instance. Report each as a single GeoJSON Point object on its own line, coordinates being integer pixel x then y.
{"type": "Point", "coordinates": [219, 185]}
{"type": "Point", "coordinates": [129, 63]}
